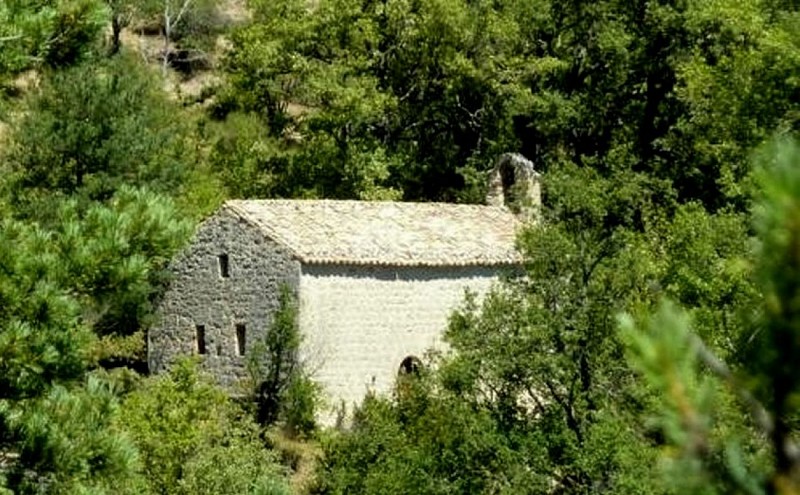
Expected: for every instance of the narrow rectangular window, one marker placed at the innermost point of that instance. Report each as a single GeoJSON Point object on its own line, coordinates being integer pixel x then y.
{"type": "Point", "coordinates": [241, 335]}
{"type": "Point", "coordinates": [200, 336]}
{"type": "Point", "coordinates": [224, 266]}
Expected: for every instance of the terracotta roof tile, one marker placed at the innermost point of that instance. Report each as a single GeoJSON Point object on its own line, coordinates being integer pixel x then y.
{"type": "Point", "coordinates": [385, 233]}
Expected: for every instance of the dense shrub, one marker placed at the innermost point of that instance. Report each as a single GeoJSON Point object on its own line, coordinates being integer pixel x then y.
{"type": "Point", "coordinates": [192, 439]}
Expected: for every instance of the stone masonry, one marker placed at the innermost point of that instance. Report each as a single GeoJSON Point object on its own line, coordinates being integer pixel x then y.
{"type": "Point", "coordinates": [199, 295]}
{"type": "Point", "coordinates": [375, 282]}
{"type": "Point", "coordinates": [361, 322]}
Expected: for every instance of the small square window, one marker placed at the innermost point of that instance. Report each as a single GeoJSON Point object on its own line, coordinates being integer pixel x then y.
{"type": "Point", "coordinates": [224, 266]}
{"type": "Point", "coordinates": [200, 338]}
{"type": "Point", "coordinates": [241, 336]}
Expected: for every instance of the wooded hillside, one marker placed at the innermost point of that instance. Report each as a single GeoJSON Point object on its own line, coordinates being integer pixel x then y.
{"type": "Point", "coordinates": [654, 346]}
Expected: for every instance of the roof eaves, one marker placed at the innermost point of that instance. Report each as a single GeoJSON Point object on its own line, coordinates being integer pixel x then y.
{"type": "Point", "coordinates": [431, 264]}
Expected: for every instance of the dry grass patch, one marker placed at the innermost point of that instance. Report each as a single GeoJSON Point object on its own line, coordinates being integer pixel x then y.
{"type": "Point", "coordinates": [301, 456]}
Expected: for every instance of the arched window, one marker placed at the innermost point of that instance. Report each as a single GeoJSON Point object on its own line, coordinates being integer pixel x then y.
{"type": "Point", "coordinates": [410, 366]}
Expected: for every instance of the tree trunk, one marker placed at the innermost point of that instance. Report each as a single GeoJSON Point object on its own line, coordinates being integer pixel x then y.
{"type": "Point", "coordinates": [116, 31]}
{"type": "Point", "coordinates": [167, 35]}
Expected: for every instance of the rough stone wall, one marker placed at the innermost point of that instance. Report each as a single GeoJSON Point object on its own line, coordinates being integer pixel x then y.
{"type": "Point", "coordinates": [360, 322]}
{"type": "Point", "coordinates": [199, 295]}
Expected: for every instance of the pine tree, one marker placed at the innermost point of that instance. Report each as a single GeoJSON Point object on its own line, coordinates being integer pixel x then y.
{"type": "Point", "coordinates": [703, 397]}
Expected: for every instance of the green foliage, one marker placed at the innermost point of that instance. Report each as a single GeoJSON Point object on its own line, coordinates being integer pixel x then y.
{"type": "Point", "coordinates": [192, 24]}
{"type": "Point", "coordinates": [394, 97]}
{"type": "Point", "coordinates": [121, 12]}
{"type": "Point", "coordinates": [193, 440]}
{"type": "Point", "coordinates": [709, 270]}
{"type": "Point", "coordinates": [629, 92]}
{"type": "Point", "coordinates": [733, 87]}
{"type": "Point", "coordinates": [543, 353]}
{"type": "Point", "coordinates": [68, 443]}
{"type": "Point", "coordinates": [718, 452]}
{"type": "Point", "coordinates": [51, 33]}
{"type": "Point", "coordinates": [115, 256]}
{"type": "Point", "coordinates": [90, 129]}
{"type": "Point", "coordinates": [111, 259]}
{"type": "Point", "coordinates": [249, 162]}
{"type": "Point", "coordinates": [417, 98]}
{"type": "Point", "coordinates": [693, 412]}
{"type": "Point", "coordinates": [299, 406]}
{"type": "Point", "coordinates": [428, 443]}
{"type": "Point", "coordinates": [41, 340]}
{"type": "Point", "coordinates": [281, 386]}
{"type": "Point", "coordinates": [57, 433]}
{"type": "Point", "coordinates": [776, 346]}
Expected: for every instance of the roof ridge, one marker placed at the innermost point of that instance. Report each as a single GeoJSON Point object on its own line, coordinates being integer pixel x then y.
{"type": "Point", "coordinates": [366, 202]}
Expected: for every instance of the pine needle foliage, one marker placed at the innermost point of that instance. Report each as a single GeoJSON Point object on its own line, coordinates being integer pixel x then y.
{"type": "Point", "coordinates": [702, 396]}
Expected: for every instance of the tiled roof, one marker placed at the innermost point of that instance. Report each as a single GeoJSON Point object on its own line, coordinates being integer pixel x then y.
{"type": "Point", "coordinates": [385, 233]}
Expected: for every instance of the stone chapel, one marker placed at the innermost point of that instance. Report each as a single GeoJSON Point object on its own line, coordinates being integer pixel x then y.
{"type": "Point", "coordinates": [375, 282]}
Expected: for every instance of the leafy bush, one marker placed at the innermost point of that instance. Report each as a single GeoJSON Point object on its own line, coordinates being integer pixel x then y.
{"type": "Point", "coordinates": [428, 443]}
{"type": "Point", "coordinates": [299, 406]}
{"type": "Point", "coordinates": [193, 439]}
{"type": "Point", "coordinates": [56, 425]}
{"type": "Point", "coordinates": [54, 33]}
{"type": "Point", "coordinates": [69, 443]}
{"type": "Point", "coordinates": [115, 256]}
{"type": "Point", "coordinates": [282, 389]}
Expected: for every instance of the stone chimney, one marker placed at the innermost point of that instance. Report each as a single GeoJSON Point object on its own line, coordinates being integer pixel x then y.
{"type": "Point", "coordinates": [514, 183]}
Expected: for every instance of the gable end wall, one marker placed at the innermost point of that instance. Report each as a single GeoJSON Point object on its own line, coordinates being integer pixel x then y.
{"type": "Point", "coordinates": [199, 295]}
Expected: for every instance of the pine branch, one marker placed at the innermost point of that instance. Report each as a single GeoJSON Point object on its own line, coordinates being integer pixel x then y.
{"type": "Point", "coordinates": [762, 418]}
